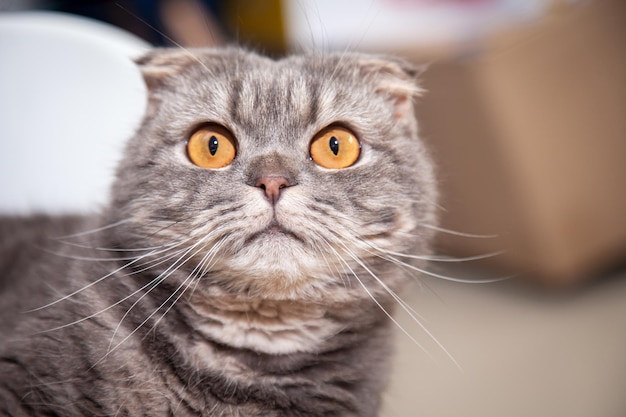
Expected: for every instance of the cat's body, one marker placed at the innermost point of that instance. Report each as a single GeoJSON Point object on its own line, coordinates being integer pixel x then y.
{"type": "Point", "coordinates": [258, 288]}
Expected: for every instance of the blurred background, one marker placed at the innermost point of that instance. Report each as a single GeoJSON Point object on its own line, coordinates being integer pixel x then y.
{"type": "Point", "coordinates": [525, 114]}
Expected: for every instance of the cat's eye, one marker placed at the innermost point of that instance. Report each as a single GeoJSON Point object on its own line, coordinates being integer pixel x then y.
{"type": "Point", "coordinates": [211, 146]}
{"type": "Point", "coordinates": [335, 147]}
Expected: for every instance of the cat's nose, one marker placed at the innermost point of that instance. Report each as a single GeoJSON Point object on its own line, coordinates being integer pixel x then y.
{"type": "Point", "coordinates": [272, 185]}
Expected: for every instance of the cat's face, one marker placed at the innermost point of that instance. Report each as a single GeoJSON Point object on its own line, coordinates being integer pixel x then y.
{"type": "Point", "coordinates": [282, 179]}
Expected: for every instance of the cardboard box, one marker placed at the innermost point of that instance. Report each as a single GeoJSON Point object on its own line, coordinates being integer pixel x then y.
{"type": "Point", "coordinates": [530, 135]}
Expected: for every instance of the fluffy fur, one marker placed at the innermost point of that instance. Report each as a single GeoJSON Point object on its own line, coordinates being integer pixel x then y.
{"type": "Point", "coordinates": [191, 294]}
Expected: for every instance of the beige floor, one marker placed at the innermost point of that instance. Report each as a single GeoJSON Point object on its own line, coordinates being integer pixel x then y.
{"type": "Point", "coordinates": [520, 352]}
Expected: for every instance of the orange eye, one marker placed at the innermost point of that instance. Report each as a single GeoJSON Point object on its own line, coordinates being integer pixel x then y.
{"type": "Point", "coordinates": [335, 147]}
{"type": "Point", "coordinates": [211, 146]}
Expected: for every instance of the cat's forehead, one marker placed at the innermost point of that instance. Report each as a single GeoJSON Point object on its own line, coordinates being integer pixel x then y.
{"type": "Point", "coordinates": [244, 90]}
{"type": "Point", "coordinates": [252, 67]}
{"type": "Point", "coordinates": [287, 77]}
{"type": "Point", "coordinates": [274, 92]}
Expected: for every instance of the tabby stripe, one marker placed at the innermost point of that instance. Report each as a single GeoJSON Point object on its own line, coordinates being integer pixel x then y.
{"type": "Point", "coordinates": [235, 96]}
{"type": "Point", "coordinates": [314, 103]}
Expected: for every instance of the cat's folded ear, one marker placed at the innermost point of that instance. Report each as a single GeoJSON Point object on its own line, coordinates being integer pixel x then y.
{"type": "Point", "coordinates": [396, 79]}
{"type": "Point", "coordinates": [158, 65]}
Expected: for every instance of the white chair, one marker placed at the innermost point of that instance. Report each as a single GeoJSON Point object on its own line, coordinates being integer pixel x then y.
{"type": "Point", "coordinates": [70, 96]}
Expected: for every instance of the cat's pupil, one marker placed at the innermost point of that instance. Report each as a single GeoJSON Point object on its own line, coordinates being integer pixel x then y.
{"type": "Point", "coordinates": [213, 144]}
{"type": "Point", "coordinates": [334, 145]}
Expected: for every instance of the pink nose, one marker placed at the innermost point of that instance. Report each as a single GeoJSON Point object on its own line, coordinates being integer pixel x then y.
{"type": "Point", "coordinates": [272, 185]}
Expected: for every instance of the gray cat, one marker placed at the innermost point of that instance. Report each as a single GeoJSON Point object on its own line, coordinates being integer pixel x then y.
{"type": "Point", "coordinates": [242, 265]}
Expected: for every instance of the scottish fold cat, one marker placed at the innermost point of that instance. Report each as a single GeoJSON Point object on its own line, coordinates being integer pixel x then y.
{"type": "Point", "coordinates": [248, 261]}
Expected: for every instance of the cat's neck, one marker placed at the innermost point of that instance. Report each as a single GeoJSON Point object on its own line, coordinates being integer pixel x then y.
{"type": "Point", "coordinates": [270, 326]}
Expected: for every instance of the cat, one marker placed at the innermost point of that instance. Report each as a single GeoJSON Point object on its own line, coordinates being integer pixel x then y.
{"type": "Point", "coordinates": [243, 266]}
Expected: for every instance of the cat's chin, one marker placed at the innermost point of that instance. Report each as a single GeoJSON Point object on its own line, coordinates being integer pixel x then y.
{"type": "Point", "coordinates": [275, 236]}
{"type": "Point", "coordinates": [276, 263]}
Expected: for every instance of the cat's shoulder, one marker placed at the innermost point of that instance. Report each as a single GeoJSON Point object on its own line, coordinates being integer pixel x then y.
{"type": "Point", "coordinates": [30, 253]}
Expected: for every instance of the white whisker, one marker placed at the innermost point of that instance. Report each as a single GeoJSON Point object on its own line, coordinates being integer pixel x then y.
{"type": "Point", "coordinates": [101, 311]}
{"type": "Point", "coordinates": [91, 284]}
{"type": "Point", "coordinates": [444, 277]}
{"type": "Point", "coordinates": [456, 233]}
{"type": "Point", "coordinates": [389, 315]}
{"type": "Point", "coordinates": [195, 275]}
{"type": "Point", "coordinates": [150, 264]}
{"type": "Point", "coordinates": [107, 308]}
{"type": "Point", "coordinates": [169, 38]}
{"type": "Point", "coordinates": [82, 246]}
{"type": "Point", "coordinates": [434, 258]}
{"type": "Point", "coordinates": [330, 268]}
{"type": "Point", "coordinates": [83, 258]}
{"type": "Point", "coordinates": [386, 254]}
{"type": "Point", "coordinates": [92, 231]}
{"type": "Point", "coordinates": [157, 281]}
{"type": "Point", "coordinates": [404, 306]}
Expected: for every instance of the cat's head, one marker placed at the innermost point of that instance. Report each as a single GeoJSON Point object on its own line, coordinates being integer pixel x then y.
{"type": "Point", "coordinates": [280, 179]}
